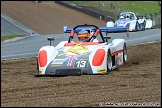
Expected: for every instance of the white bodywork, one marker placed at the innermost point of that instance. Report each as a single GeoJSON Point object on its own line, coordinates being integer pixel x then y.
{"type": "Point", "coordinates": [116, 45]}
{"type": "Point", "coordinates": [51, 54]}
{"type": "Point", "coordinates": [130, 21]}
{"type": "Point", "coordinates": [75, 57]}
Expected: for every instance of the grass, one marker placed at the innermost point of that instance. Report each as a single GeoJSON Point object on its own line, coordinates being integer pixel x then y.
{"type": "Point", "coordinates": [139, 7]}
{"type": "Point", "coordinates": [11, 36]}
{"type": "Point", "coordinates": [157, 26]}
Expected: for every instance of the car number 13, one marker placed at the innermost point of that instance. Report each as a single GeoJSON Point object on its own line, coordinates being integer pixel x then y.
{"type": "Point", "coordinates": [81, 63]}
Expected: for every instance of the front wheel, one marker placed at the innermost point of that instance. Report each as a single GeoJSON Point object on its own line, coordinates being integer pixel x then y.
{"type": "Point", "coordinates": [109, 61]}
{"type": "Point", "coordinates": [37, 65]}
{"type": "Point", "coordinates": [37, 74]}
{"type": "Point", "coordinates": [137, 27]}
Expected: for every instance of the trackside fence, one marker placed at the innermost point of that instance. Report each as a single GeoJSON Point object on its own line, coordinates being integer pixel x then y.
{"type": "Point", "coordinates": [109, 16]}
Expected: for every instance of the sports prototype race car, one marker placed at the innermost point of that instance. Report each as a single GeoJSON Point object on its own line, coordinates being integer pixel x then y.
{"type": "Point", "coordinates": [74, 57]}
{"type": "Point", "coordinates": [131, 21]}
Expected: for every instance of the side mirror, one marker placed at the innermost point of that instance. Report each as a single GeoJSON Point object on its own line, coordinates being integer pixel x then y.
{"type": "Point", "coordinates": [50, 39]}
{"type": "Point", "coordinates": [70, 38]}
{"type": "Point", "coordinates": [106, 38]}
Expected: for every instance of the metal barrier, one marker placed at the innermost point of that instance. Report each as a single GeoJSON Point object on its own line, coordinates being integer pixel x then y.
{"type": "Point", "coordinates": [157, 19]}
{"type": "Point", "coordinates": [102, 15]}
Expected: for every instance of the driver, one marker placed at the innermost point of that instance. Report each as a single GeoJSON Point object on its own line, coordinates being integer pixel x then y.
{"type": "Point", "coordinates": [83, 36]}
{"type": "Point", "coordinates": [121, 17]}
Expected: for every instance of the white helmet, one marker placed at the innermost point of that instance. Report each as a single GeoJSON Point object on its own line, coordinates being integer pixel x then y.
{"type": "Point", "coordinates": [121, 17]}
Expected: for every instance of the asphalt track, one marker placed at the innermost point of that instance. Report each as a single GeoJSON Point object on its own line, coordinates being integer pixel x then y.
{"type": "Point", "coordinates": [30, 45]}
{"type": "Point", "coordinates": [10, 26]}
{"type": "Point", "coordinates": [15, 30]}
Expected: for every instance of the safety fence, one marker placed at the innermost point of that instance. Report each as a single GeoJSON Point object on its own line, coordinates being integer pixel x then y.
{"type": "Point", "coordinates": [105, 15]}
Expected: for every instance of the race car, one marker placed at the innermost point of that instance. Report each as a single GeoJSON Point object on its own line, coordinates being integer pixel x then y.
{"type": "Point", "coordinates": [74, 57]}
{"type": "Point", "coordinates": [131, 21]}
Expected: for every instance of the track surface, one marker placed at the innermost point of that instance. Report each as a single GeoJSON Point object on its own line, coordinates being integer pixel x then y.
{"type": "Point", "coordinates": [13, 29]}
{"type": "Point", "coordinates": [138, 81]}
{"type": "Point", "coordinates": [46, 17]}
{"type": "Point", "coordinates": [22, 48]}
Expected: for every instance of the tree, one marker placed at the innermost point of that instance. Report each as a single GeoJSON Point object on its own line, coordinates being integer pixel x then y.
{"type": "Point", "coordinates": [159, 5]}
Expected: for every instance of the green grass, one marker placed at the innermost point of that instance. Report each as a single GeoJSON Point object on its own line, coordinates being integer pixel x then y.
{"type": "Point", "coordinates": [11, 36]}
{"type": "Point", "coordinates": [139, 7]}
{"type": "Point", "coordinates": [157, 26]}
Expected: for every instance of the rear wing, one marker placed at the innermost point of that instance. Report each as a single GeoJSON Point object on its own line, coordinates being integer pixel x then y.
{"type": "Point", "coordinates": [113, 29]}
{"type": "Point", "coordinates": [102, 29]}
{"type": "Point", "coordinates": [95, 31]}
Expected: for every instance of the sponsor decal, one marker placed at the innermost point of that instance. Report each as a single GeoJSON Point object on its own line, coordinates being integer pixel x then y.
{"type": "Point", "coordinates": [58, 61]}
{"type": "Point", "coordinates": [70, 59]}
{"type": "Point", "coordinates": [75, 49]}
{"type": "Point", "coordinates": [53, 65]}
{"type": "Point", "coordinates": [40, 72]}
{"type": "Point", "coordinates": [101, 70]}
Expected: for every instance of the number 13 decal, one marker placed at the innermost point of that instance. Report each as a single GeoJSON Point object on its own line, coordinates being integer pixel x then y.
{"type": "Point", "coordinates": [81, 63]}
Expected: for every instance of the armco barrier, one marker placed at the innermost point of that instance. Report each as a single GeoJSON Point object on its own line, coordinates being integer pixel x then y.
{"type": "Point", "coordinates": [86, 11]}
{"type": "Point", "coordinates": [106, 16]}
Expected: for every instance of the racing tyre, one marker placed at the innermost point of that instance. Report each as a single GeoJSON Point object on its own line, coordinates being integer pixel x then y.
{"type": "Point", "coordinates": [37, 65]}
{"type": "Point", "coordinates": [109, 61]}
{"type": "Point", "coordinates": [144, 25]}
{"type": "Point", "coordinates": [36, 74]}
{"type": "Point", "coordinates": [124, 53]}
{"type": "Point", "coordinates": [137, 26]}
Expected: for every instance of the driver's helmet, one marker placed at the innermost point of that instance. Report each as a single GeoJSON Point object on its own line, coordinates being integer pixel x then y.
{"type": "Point", "coordinates": [83, 35]}
{"type": "Point", "coordinates": [121, 17]}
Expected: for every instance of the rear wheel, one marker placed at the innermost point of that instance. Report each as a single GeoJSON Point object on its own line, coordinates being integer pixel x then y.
{"type": "Point", "coordinates": [144, 25]}
{"type": "Point", "coordinates": [124, 53]}
{"type": "Point", "coordinates": [109, 61]}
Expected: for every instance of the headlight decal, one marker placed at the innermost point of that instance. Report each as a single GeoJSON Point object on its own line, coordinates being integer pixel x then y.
{"type": "Point", "coordinates": [98, 57]}
{"type": "Point", "coordinates": [42, 58]}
